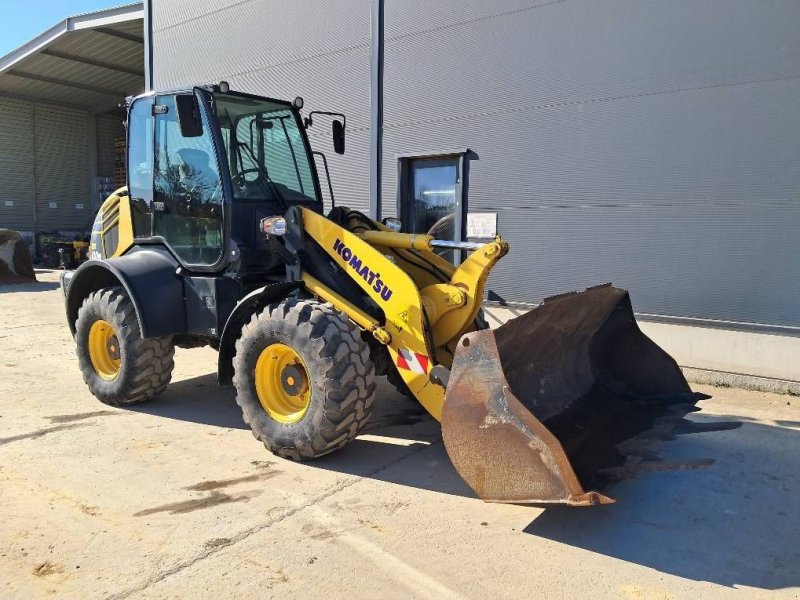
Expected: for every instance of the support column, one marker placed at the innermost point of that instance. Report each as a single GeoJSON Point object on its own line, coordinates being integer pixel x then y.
{"type": "Point", "coordinates": [376, 110]}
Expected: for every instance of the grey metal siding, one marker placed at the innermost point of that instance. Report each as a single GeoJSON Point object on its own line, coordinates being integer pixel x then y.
{"type": "Point", "coordinates": [653, 144]}
{"type": "Point", "coordinates": [16, 164]}
{"type": "Point", "coordinates": [279, 48]}
{"type": "Point", "coordinates": [63, 173]}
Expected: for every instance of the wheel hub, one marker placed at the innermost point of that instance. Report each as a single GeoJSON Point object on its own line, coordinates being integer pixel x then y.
{"type": "Point", "coordinates": [282, 383]}
{"type": "Point", "coordinates": [104, 350]}
{"type": "Point", "coordinates": [112, 347]}
{"type": "Point", "coordinates": [293, 380]}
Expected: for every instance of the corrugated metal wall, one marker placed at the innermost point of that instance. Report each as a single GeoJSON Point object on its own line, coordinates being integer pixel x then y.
{"type": "Point", "coordinates": [280, 48]}
{"type": "Point", "coordinates": [60, 173]}
{"type": "Point", "coordinates": [16, 164]}
{"type": "Point", "coordinates": [63, 168]}
{"type": "Point", "coordinates": [652, 144]}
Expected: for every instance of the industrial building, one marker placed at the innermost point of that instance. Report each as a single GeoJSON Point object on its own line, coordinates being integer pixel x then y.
{"type": "Point", "coordinates": [650, 144]}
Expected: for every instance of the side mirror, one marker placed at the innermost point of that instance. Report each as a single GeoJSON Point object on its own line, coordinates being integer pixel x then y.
{"type": "Point", "coordinates": [189, 115]}
{"type": "Point", "coordinates": [338, 137]}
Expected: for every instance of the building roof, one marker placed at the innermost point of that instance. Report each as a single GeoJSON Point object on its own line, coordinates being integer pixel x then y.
{"type": "Point", "coordinates": [92, 60]}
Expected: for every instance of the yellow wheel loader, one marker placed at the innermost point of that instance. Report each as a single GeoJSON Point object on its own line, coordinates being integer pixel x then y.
{"type": "Point", "coordinates": [219, 239]}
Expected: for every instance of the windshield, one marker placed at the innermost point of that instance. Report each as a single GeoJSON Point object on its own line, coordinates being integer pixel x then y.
{"type": "Point", "coordinates": [265, 150]}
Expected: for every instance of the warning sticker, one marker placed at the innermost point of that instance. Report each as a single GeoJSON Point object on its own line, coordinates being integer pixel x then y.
{"type": "Point", "coordinates": [412, 361]}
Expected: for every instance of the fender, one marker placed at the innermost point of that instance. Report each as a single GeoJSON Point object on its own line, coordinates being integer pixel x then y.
{"type": "Point", "coordinates": [148, 275]}
{"type": "Point", "coordinates": [251, 303]}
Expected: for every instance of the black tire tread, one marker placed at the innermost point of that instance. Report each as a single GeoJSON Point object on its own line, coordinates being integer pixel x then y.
{"type": "Point", "coordinates": [348, 383]}
{"type": "Point", "coordinates": [149, 361]}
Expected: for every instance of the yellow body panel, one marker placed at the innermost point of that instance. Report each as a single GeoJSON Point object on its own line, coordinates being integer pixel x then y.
{"type": "Point", "coordinates": [112, 232]}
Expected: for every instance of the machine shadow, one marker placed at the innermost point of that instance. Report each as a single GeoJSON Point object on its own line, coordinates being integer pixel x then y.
{"type": "Point", "coordinates": [734, 523]}
{"type": "Point", "coordinates": [197, 400]}
{"type": "Point", "coordinates": [28, 286]}
{"type": "Point", "coordinates": [401, 444]}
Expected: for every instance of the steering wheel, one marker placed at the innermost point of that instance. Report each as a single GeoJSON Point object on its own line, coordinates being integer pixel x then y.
{"type": "Point", "coordinates": [240, 175]}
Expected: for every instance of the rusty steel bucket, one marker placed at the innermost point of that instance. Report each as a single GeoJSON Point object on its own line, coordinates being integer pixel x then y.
{"type": "Point", "coordinates": [563, 401]}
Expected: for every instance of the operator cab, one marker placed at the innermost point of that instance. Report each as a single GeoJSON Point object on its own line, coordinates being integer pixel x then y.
{"type": "Point", "coordinates": [205, 166]}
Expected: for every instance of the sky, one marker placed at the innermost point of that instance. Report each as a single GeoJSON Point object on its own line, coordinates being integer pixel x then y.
{"type": "Point", "coordinates": [20, 20]}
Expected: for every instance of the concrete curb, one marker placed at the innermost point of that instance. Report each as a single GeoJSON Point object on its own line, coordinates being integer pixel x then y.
{"type": "Point", "coordinates": [747, 382]}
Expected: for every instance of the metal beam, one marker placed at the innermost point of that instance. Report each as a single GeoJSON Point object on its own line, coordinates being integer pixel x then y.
{"type": "Point", "coordinates": [376, 110]}
{"type": "Point", "coordinates": [148, 45]}
{"type": "Point", "coordinates": [67, 83]}
{"type": "Point", "coordinates": [120, 34]}
{"type": "Point", "coordinates": [92, 62]}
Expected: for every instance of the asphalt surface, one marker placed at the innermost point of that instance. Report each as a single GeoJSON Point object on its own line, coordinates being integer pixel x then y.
{"type": "Point", "coordinates": [175, 498]}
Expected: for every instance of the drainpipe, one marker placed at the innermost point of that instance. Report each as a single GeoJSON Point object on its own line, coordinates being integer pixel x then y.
{"type": "Point", "coordinates": [148, 45]}
{"type": "Point", "coordinates": [376, 110]}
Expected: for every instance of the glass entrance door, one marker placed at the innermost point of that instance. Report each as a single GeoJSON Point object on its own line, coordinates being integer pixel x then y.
{"type": "Point", "coordinates": [432, 200]}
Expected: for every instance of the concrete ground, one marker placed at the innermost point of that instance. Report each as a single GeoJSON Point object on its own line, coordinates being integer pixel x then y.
{"type": "Point", "coordinates": [175, 498]}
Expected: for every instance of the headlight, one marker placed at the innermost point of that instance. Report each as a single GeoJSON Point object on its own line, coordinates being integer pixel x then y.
{"type": "Point", "coordinates": [273, 226]}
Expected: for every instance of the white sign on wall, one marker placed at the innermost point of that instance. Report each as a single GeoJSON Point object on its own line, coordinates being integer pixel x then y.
{"type": "Point", "coordinates": [481, 225]}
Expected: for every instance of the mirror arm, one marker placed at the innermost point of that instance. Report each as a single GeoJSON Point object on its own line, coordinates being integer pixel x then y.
{"type": "Point", "coordinates": [327, 175]}
{"type": "Point", "coordinates": [309, 121]}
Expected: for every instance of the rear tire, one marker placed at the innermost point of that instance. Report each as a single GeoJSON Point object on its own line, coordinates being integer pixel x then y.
{"type": "Point", "coordinates": [134, 369]}
{"type": "Point", "coordinates": [336, 373]}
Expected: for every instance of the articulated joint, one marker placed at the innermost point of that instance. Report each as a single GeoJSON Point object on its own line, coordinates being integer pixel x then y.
{"type": "Point", "coordinates": [380, 334]}
{"type": "Point", "coordinates": [455, 297]}
{"type": "Point", "coordinates": [495, 247]}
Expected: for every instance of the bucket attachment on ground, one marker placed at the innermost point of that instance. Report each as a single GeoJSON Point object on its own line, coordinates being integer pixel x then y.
{"type": "Point", "coordinates": [567, 398]}
{"type": "Point", "coordinates": [16, 265]}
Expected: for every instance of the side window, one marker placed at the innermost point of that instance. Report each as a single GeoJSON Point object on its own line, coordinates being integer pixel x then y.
{"type": "Point", "coordinates": [140, 164]}
{"type": "Point", "coordinates": [430, 198]}
{"type": "Point", "coordinates": [187, 202]}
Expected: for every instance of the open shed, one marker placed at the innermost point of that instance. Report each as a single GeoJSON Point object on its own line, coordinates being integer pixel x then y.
{"type": "Point", "coordinates": [61, 125]}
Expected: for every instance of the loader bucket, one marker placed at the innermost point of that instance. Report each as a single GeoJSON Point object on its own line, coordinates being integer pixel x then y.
{"type": "Point", "coordinates": [563, 400]}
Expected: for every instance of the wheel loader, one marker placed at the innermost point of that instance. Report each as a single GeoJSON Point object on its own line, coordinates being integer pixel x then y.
{"type": "Point", "coordinates": [220, 239]}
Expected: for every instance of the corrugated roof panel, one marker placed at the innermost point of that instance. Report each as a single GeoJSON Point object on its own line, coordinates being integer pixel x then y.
{"type": "Point", "coordinates": [18, 86]}
{"type": "Point", "coordinates": [94, 67]}
{"type": "Point", "coordinates": [78, 75]}
{"type": "Point", "coordinates": [93, 46]}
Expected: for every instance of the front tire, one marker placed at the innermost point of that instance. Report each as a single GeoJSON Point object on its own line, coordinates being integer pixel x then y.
{"type": "Point", "coordinates": [118, 365]}
{"type": "Point", "coordinates": [303, 378]}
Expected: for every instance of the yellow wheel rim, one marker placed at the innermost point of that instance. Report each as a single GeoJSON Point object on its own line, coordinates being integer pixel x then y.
{"type": "Point", "coordinates": [104, 351]}
{"type": "Point", "coordinates": [282, 383]}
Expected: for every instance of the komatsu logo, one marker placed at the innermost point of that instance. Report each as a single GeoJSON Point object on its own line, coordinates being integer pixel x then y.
{"type": "Point", "coordinates": [367, 274]}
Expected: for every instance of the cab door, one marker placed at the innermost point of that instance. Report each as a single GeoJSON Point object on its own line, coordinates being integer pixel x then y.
{"type": "Point", "coordinates": [187, 207]}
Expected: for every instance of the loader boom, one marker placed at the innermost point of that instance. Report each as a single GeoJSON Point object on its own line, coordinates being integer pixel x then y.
{"type": "Point", "coordinates": [420, 323]}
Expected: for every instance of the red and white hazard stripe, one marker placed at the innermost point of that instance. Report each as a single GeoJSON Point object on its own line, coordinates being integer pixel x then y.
{"type": "Point", "coordinates": [412, 361]}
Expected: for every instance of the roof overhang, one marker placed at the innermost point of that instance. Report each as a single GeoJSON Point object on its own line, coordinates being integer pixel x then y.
{"type": "Point", "coordinates": [92, 60]}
